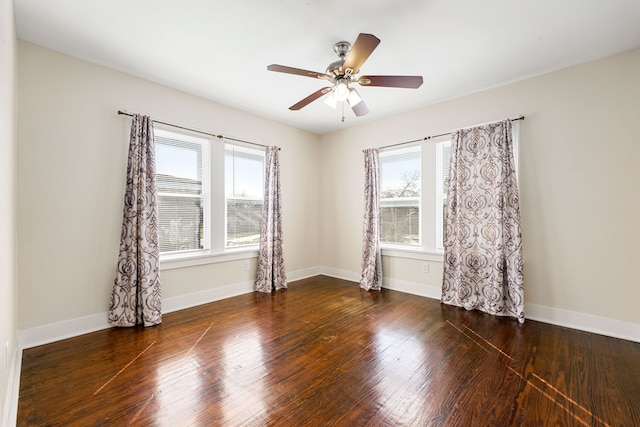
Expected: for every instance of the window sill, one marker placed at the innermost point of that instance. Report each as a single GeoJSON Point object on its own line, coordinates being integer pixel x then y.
{"type": "Point", "coordinates": [169, 262]}
{"type": "Point", "coordinates": [419, 254]}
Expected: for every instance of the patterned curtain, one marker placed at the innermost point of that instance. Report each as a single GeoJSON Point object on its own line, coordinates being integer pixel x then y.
{"type": "Point", "coordinates": [271, 272]}
{"type": "Point", "coordinates": [371, 276]}
{"type": "Point", "coordinates": [482, 237]}
{"type": "Point", "coordinates": [136, 297]}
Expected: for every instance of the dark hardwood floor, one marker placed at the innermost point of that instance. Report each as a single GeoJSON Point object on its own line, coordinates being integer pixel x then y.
{"type": "Point", "coordinates": [325, 353]}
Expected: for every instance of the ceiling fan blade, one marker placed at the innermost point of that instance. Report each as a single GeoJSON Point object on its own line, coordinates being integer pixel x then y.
{"type": "Point", "coordinates": [309, 99]}
{"type": "Point", "coordinates": [298, 71]}
{"type": "Point", "coordinates": [360, 51]}
{"type": "Point", "coordinates": [409, 82]}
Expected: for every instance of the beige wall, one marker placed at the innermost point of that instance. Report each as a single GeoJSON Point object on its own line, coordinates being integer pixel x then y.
{"type": "Point", "coordinates": [8, 137]}
{"type": "Point", "coordinates": [71, 166]}
{"type": "Point", "coordinates": [579, 149]}
{"type": "Point", "coordinates": [579, 142]}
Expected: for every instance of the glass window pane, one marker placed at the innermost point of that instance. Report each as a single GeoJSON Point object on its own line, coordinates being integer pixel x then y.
{"type": "Point", "coordinates": [244, 175]}
{"type": "Point", "coordinates": [180, 160]}
{"type": "Point", "coordinates": [180, 225]}
{"type": "Point", "coordinates": [243, 221]}
{"type": "Point", "coordinates": [400, 183]}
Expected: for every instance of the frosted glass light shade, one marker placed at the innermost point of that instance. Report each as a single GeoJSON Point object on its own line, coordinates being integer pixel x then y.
{"type": "Point", "coordinates": [331, 101]}
{"type": "Point", "coordinates": [354, 98]}
{"type": "Point", "coordinates": [341, 91]}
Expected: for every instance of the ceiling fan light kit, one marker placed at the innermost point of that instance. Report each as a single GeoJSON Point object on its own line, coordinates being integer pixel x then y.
{"type": "Point", "coordinates": [341, 90]}
{"type": "Point", "coordinates": [331, 101]}
{"type": "Point", "coordinates": [353, 98]}
{"type": "Point", "coordinates": [343, 72]}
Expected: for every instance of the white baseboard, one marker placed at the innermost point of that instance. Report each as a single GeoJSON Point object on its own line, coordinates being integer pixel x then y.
{"type": "Point", "coordinates": [204, 297]}
{"type": "Point", "coordinates": [414, 288]}
{"type": "Point", "coordinates": [303, 274]}
{"type": "Point", "coordinates": [584, 322]}
{"type": "Point", "coordinates": [351, 276]}
{"type": "Point", "coordinates": [215, 294]}
{"type": "Point", "coordinates": [45, 334]}
{"type": "Point", "coordinates": [10, 416]}
{"type": "Point", "coordinates": [420, 289]}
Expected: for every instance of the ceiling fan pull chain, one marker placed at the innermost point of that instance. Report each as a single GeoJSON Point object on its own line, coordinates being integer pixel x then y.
{"type": "Point", "coordinates": [342, 111]}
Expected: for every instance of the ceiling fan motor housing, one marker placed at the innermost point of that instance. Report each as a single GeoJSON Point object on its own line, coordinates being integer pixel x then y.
{"type": "Point", "coordinates": [341, 49]}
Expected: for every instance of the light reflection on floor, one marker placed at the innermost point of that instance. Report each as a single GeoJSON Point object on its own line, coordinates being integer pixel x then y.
{"type": "Point", "coordinates": [395, 367]}
{"type": "Point", "coordinates": [179, 385]}
{"type": "Point", "coordinates": [244, 372]}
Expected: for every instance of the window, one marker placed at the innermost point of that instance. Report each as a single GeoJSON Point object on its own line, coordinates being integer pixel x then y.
{"type": "Point", "coordinates": [244, 175]}
{"type": "Point", "coordinates": [180, 160]}
{"type": "Point", "coordinates": [210, 194]}
{"type": "Point", "coordinates": [413, 195]}
{"type": "Point", "coordinates": [400, 183]}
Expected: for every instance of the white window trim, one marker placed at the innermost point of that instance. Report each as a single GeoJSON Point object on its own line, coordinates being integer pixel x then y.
{"type": "Point", "coordinates": [205, 143]}
{"type": "Point", "coordinates": [418, 254]}
{"type": "Point", "coordinates": [173, 261]}
{"type": "Point", "coordinates": [217, 210]}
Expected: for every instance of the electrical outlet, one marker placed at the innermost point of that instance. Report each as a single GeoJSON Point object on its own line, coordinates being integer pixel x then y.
{"type": "Point", "coordinates": [425, 267]}
{"type": "Point", "coordinates": [247, 265]}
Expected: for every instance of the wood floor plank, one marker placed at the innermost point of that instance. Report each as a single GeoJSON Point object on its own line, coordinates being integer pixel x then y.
{"type": "Point", "coordinates": [325, 352]}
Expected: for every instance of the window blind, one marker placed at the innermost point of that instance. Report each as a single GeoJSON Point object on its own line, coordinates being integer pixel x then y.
{"type": "Point", "coordinates": [179, 175]}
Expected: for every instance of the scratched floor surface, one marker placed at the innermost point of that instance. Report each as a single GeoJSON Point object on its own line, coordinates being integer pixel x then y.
{"type": "Point", "coordinates": [326, 353]}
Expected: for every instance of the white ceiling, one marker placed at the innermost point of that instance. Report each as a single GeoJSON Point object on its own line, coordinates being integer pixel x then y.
{"type": "Point", "coordinates": [220, 49]}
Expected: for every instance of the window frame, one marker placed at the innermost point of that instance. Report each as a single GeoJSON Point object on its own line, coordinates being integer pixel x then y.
{"type": "Point", "coordinates": [426, 251]}
{"type": "Point", "coordinates": [205, 195]}
{"type": "Point", "coordinates": [400, 151]}
{"type": "Point", "coordinates": [213, 188]}
{"type": "Point", "coordinates": [248, 152]}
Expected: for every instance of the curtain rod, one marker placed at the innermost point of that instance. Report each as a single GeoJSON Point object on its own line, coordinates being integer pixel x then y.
{"type": "Point", "coordinates": [426, 138]}
{"type": "Point", "coordinates": [197, 130]}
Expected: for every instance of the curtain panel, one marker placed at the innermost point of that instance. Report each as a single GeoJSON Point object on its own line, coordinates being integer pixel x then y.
{"type": "Point", "coordinates": [271, 274]}
{"type": "Point", "coordinates": [136, 297]}
{"type": "Point", "coordinates": [371, 275]}
{"type": "Point", "coordinates": [482, 234]}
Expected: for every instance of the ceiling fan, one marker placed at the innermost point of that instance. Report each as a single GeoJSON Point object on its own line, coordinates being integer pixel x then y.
{"type": "Point", "coordinates": [344, 72]}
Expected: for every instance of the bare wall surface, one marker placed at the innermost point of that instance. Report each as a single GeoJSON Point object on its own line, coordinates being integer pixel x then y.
{"type": "Point", "coordinates": [579, 148]}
